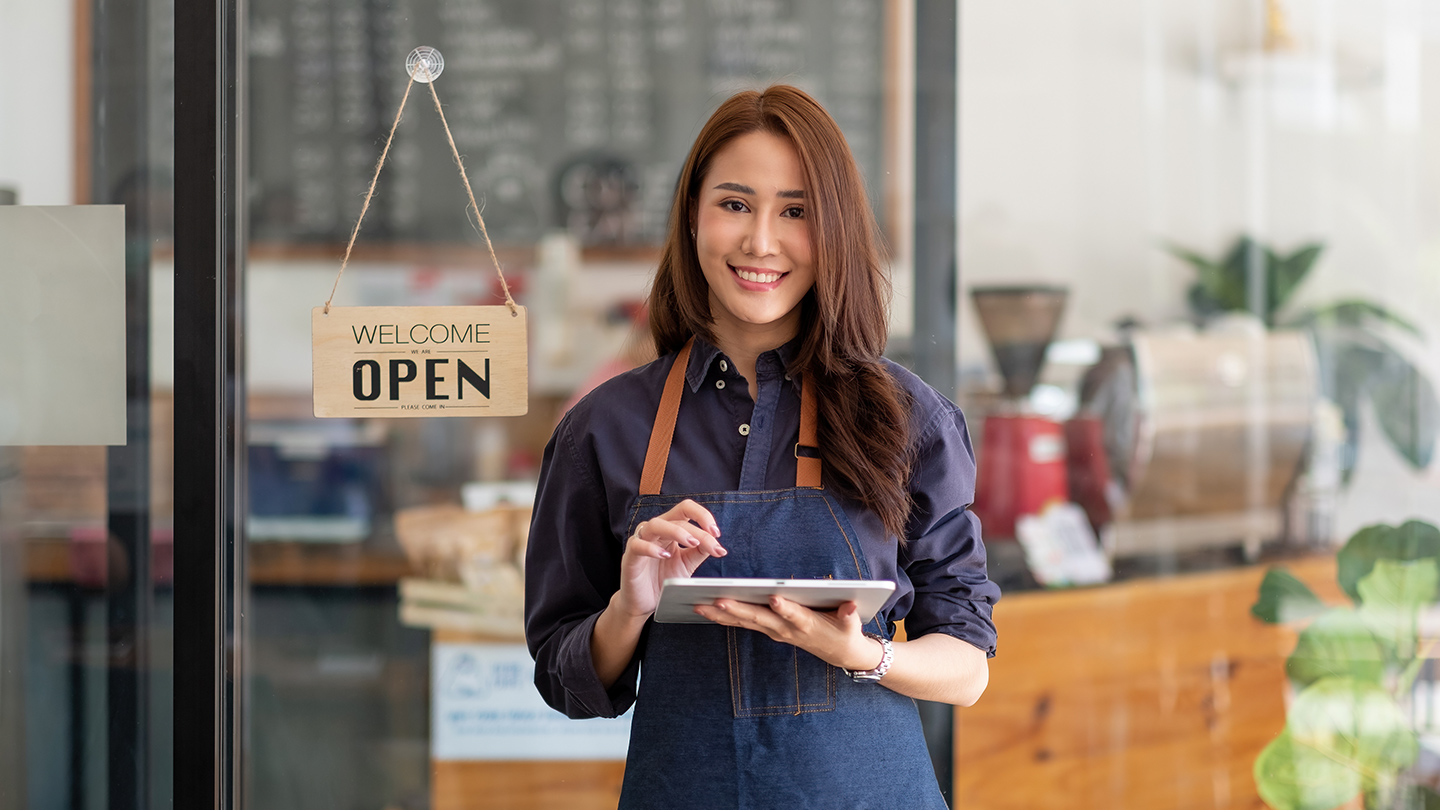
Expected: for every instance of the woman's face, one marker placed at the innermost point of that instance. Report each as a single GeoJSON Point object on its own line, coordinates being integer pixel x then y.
{"type": "Point", "coordinates": [752, 233]}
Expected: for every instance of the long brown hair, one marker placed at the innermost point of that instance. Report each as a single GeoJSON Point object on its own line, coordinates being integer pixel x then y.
{"type": "Point", "coordinates": [864, 427]}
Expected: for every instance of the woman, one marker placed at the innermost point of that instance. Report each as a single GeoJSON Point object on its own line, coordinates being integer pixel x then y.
{"type": "Point", "coordinates": [769, 315]}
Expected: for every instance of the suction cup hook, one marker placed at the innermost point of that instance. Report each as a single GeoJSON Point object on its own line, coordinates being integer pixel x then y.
{"type": "Point", "coordinates": [425, 64]}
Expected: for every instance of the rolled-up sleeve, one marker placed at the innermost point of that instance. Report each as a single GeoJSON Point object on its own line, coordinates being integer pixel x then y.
{"type": "Point", "coordinates": [944, 557]}
{"type": "Point", "coordinates": [572, 566]}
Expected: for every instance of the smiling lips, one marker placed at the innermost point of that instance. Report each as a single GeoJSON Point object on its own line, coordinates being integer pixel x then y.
{"type": "Point", "coordinates": [756, 275]}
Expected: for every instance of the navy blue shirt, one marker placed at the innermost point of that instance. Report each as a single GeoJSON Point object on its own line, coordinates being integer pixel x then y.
{"type": "Point", "coordinates": [726, 441]}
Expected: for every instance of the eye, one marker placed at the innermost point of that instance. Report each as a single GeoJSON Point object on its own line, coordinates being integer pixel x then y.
{"type": "Point", "coordinates": [794, 212]}
{"type": "Point", "coordinates": [734, 206]}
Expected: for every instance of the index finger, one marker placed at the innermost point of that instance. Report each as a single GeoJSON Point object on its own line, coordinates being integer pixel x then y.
{"type": "Point", "coordinates": [694, 512]}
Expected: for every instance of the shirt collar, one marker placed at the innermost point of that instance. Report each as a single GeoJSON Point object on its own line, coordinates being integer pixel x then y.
{"type": "Point", "coordinates": [703, 354]}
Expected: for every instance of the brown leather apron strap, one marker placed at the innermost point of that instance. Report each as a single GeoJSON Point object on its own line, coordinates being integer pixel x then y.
{"type": "Point", "coordinates": [807, 468]}
{"type": "Point", "coordinates": [657, 455]}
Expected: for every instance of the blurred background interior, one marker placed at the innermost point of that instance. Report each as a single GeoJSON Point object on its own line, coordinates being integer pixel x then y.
{"type": "Point", "coordinates": [1187, 276]}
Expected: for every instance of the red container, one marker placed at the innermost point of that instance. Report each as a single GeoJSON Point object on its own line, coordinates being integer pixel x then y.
{"type": "Point", "coordinates": [1021, 471]}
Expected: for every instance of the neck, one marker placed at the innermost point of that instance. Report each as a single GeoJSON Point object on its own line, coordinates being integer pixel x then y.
{"type": "Point", "coordinates": [744, 347]}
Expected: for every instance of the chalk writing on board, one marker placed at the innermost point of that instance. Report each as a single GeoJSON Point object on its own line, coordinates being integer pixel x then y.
{"type": "Point", "coordinates": [571, 114]}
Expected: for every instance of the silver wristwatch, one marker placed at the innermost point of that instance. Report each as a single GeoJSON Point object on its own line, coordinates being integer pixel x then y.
{"type": "Point", "coordinates": [873, 675]}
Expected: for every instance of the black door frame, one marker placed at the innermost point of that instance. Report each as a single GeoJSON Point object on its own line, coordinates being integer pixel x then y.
{"type": "Point", "coordinates": [209, 400]}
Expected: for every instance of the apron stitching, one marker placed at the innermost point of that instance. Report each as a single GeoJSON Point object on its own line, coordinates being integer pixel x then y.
{"type": "Point", "coordinates": [859, 572]}
{"type": "Point", "coordinates": [734, 671]}
{"type": "Point", "coordinates": [795, 659]}
{"type": "Point", "coordinates": [634, 520]}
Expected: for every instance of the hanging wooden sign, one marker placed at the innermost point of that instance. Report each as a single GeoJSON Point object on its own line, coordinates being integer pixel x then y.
{"type": "Point", "coordinates": [419, 361]}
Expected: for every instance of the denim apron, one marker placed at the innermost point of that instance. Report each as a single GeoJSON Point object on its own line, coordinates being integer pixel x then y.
{"type": "Point", "coordinates": [726, 717]}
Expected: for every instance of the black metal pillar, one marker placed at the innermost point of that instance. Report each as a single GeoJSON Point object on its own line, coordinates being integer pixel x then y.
{"type": "Point", "coordinates": [936, 263]}
{"type": "Point", "coordinates": [208, 399]}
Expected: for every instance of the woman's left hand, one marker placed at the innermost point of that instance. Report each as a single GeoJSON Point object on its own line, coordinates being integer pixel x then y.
{"type": "Point", "coordinates": [832, 636]}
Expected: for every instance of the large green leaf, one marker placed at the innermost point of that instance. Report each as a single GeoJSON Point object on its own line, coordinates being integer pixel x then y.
{"type": "Point", "coordinates": [1353, 313]}
{"type": "Point", "coordinates": [1338, 644]}
{"type": "Point", "coordinates": [1355, 722]}
{"type": "Point", "coordinates": [1414, 540]}
{"type": "Point", "coordinates": [1346, 366]}
{"type": "Point", "coordinates": [1406, 407]}
{"type": "Point", "coordinates": [1283, 598]}
{"type": "Point", "coordinates": [1391, 596]}
{"type": "Point", "coordinates": [1246, 257]}
{"type": "Point", "coordinates": [1291, 776]}
{"type": "Point", "coordinates": [1285, 275]}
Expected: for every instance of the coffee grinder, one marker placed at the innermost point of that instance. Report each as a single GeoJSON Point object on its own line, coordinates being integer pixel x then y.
{"type": "Point", "coordinates": [1022, 465]}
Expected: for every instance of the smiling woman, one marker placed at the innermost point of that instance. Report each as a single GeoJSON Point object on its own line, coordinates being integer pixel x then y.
{"type": "Point", "coordinates": [770, 440]}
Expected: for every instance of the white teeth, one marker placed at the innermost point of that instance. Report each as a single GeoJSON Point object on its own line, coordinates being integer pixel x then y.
{"type": "Point", "coordinates": [759, 278]}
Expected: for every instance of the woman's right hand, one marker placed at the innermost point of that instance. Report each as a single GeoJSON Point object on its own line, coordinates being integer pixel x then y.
{"type": "Point", "coordinates": [671, 545]}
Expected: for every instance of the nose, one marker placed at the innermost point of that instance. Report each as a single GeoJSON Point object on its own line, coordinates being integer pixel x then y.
{"type": "Point", "coordinates": [760, 240]}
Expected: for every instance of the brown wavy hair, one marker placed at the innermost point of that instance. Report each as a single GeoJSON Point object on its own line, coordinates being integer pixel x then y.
{"type": "Point", "coordinates": [864, 414]}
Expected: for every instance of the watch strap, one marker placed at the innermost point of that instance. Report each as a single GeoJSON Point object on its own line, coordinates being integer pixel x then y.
{"type": "Point", "coordinates": [873, 675]}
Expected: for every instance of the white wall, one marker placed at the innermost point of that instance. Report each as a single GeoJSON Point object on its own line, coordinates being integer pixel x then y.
{"type": "Point", "coordinates": [1091, 133]}
{"type": "Point", "coordinates": [37, 83]}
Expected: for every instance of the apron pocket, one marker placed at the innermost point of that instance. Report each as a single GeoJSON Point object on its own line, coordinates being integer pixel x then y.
{"type": "Point", "coordinates": [770, 678]}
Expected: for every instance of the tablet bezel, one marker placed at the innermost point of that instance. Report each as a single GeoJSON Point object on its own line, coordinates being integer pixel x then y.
{"type": "Point", "coordinates": [679, 595]}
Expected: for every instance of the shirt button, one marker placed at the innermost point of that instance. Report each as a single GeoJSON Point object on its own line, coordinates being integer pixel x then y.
{"type": "Point", "coordinates": [724, 366]}
{"type": "Point", "coordinates": [744, 430]}
{"type": "Point", "coordinates": [719, 383]}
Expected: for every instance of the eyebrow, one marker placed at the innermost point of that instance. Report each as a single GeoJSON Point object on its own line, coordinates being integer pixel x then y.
{"type": "Point", "coordinates": [791, 194]}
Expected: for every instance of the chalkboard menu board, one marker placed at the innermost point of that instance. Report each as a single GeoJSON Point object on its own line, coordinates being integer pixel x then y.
{"type": "Point", "coordinates": [571, 114]}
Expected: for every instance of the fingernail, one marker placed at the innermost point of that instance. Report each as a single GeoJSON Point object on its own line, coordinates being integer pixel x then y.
{"type": "Point", "coordinates": [714, 530]}
{"type": "Point", "coordinates": [665, 554]}
{"type": "Point", "coordinates": [723, 552]}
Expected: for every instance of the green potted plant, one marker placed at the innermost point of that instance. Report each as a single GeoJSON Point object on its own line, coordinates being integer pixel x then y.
{"type": "Point", "coordinates": [1356, 357]}
{"type": "Point", "coordinates": [1348, 731]}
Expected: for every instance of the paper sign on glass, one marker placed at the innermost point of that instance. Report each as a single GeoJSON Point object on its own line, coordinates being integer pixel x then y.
{"type": "Point", "coordinates": [419, 361]}
{"type": "Point", "coordinates": [62, 325]}
{"type": "Point", "coordinates": [484, 705]}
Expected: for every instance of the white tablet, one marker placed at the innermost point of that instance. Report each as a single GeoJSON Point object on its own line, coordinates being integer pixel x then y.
{"type": "Point", "coordinates": [679, 596]}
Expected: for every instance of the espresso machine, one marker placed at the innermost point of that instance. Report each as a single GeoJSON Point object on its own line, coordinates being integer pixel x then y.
{"type": "Point", "coordinates": [1021, 457]}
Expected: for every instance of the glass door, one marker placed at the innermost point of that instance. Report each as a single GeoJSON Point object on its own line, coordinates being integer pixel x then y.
{"type": "Point", "coordinates": [86, 405]}
{"type": "Point", "coordinates": [380, 560]}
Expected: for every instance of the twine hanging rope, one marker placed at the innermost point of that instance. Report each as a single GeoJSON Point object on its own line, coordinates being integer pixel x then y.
{"type": "Point", "coordinates": [423, 68]}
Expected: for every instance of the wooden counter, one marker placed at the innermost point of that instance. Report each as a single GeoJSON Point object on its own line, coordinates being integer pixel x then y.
{"type": "Point", "coordinates": [1150, 694]}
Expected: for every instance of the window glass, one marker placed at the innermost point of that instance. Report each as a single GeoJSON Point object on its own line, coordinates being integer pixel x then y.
{"type": "Point", "coordinates": [1198, 251]}
{"type": "Point", "coordinates": [86, 404]}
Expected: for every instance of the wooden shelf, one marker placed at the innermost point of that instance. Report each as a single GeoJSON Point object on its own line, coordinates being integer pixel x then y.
{"type": "Point", "coordinates": [270, 564]}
